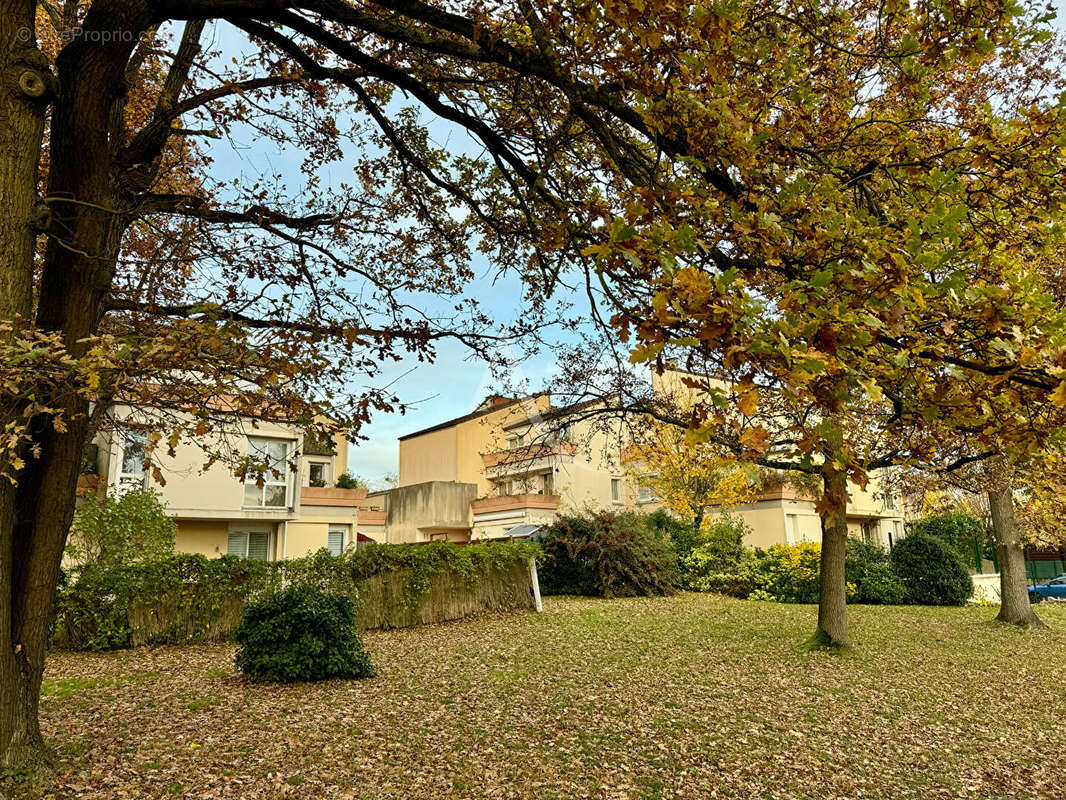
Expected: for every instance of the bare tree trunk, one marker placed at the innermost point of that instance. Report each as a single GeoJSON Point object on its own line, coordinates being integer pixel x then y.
{"type": "Point", "coordinates": [25, 88]}
{"type": "Point", "coordinates": [832, 595]}
{"type": "Point", "coordinates": [1014, 605]}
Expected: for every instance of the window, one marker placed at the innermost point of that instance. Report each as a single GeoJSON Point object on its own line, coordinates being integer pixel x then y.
{"type": "Point", "coordinates": [645, 493]}
{"type": "Point", "coordinates": [335, 542]}
{"type": "Point", "coordinates": [890, 501]}
{"type": "Point", "coordinates": [248, 544]}
{"type": "Point", "coordinates": [131, 474]}
{"type": "Point", "coordinates": [616, 490]}
{"type": "Point", "coordinates": [549, 483]}
{"type": "Point", "coordinates": [317, 473]}
{"type": "Point", "coordinates": [272, 456]}
{"type": "Point", "coordinates": [790, 528]}
{"type": "Point", "coordinates": [514, 441]}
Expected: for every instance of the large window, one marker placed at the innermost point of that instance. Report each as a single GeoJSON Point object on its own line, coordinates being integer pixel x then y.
{"type": "Point", "coordinates": [272, 456]}
{"type": "Point", "coordinates": [131, 474]}
{"type": "Point", "coordinates": [248, 544]}
{"type": "Point", "coordinates": [645, 494]}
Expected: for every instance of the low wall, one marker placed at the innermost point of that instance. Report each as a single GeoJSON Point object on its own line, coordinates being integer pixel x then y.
{"type": "Point", "coordinates": [206, 610]}
{"type": "Point", "coordinates": [383, 604]}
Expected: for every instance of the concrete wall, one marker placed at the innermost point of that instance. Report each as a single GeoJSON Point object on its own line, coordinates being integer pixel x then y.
{"type": "Point", "coordinates": [425, 511]}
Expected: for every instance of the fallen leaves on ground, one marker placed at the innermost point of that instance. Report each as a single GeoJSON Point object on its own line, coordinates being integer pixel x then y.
{"type": "Point", "coordinates": [692, 696]}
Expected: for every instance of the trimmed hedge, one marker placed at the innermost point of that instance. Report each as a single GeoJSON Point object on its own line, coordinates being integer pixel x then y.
{"type": "Point", "coordinates": [932, 571]}
{"type": "Point", "coordinates": [301, 634]}
{"type": "Point", "coordinates": [192, 598]}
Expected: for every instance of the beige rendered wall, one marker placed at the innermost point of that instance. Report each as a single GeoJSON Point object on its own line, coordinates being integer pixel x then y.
{"type": "Point", "coordinates": [206, 537]}
{"type": "Point", "coordinates": [429, 457]}
{"type": "Point", "coordinates": [411, 512]}
{"type": "Point", "coordinates": [193, 492]}
{"type": "Point", "coordinates": [455, 453]}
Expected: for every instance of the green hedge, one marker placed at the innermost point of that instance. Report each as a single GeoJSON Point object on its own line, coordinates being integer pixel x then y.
{"type": "Point", "coordinates": [192, 598]}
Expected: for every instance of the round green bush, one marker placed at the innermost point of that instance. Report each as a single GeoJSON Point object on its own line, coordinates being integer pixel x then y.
{"type": "Point", "coordinates": [931, 571]}
{"type": "Point", "coordinates": [301, 634]}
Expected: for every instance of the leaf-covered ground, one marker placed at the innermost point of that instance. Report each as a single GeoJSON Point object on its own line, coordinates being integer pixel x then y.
{"type": "Point", "coordinates": [693, 696]}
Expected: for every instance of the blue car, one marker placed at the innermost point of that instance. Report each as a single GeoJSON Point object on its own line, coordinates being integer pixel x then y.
{"type": "Point", "coordinates": [1054, 588]}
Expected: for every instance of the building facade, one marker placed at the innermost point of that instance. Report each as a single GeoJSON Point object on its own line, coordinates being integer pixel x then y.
{"type": "Point", "coordinates": [292, 511]}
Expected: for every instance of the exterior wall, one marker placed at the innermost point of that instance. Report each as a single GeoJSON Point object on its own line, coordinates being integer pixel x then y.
{"type": "Point", "coordinates": [454, 452]}
{"type": "Point", "coordinates": [429, 457]}
{"type": "Point", "coordinates": [206, 537]}
{"type": "Point", "coordinates": [215, 493]}
{"type": "Point", "coordinates": [209, 503]}
{"type": "Point", "coordinates": [427, 511]}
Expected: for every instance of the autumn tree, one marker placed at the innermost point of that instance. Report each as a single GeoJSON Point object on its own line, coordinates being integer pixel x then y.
{"type": "Point", "coordinates": [689, 477]}
{"type": "Point", "coordinates": [828, 197]}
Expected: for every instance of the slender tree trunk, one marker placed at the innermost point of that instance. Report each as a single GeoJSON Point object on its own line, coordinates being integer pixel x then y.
{"type": "Point", "coordinates": [25, 89]}
{"type": "Point", "coordinates": [1014, 605]}
{"type": "Point", "coordinates": [832, 595]}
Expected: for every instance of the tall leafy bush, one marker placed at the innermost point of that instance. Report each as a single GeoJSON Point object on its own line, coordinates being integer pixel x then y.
{"type": "Point", "coordinates": [109, 531]}
{"type": "Point", "coordinates": [607, 555]}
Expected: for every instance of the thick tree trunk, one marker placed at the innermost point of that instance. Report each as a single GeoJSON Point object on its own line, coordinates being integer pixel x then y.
{"type": "Point", "coordinates": [832, 595]}
{"type": "Point", "coordinates": [25, 85]}
{"type": "Point", "coordinates": [76, 275]}
{"type": "Point", "coordinates": [1014, 605]}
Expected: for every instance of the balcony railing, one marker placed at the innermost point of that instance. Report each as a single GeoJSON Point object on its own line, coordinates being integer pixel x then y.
{"type": "Point", "coordinates": [511, 502]}
{"type": "Point", "coordinates": [529, 452]}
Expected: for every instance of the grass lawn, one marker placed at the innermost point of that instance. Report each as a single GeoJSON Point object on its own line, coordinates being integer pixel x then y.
{"type": "Point", "coordinates": [692, 696]}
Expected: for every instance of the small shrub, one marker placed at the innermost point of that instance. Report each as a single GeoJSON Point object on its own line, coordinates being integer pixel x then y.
{"type": "Point", "coordinates": [791, 572]}
{"type": "Point", "coordinates": [605, 554]}
{"type": "Point", "coordinates": [301, 634]}
{"type": "Point", "coordinates": [931, 570]}
{"type": "Point", "coordinates": [721, 543]}
{"type": "Point", "coordinates": [348, 481]}
{"type": "Point", "coordinates": [958, 529]}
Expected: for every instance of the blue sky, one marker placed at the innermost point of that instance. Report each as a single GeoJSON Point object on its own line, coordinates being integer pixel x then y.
{"type": "Point", "coordinates": [451, 386]}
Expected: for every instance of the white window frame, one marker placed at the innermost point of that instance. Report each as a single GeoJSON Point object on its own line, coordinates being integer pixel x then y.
{"type": "Point", "coordinates": [327, 478]}
{"type": "Point", "coordinates": [247, 534]}
{"type": "Point", "coordinates": [791, 525]}
{"type": "Point", "coordinates": [645, 493]}
{"type": "Point", "coordinates": [130, 481]}
{"type": "Point", "coordinates": [616, 490]}
{"type": "Point", "coordinates": [547, 484]}
{"type": "Point", "coordinates": [269, 478]}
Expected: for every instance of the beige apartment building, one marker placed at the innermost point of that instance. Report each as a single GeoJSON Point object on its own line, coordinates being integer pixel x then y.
{"type": "Point", "coordinates": [520, 462]}
{"type": "Point", "coordinates": [295, 512]}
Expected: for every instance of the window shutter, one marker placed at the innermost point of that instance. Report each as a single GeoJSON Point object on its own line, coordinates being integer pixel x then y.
{"type": "Point", "coordinates": [336, 542]}
{"type": "Point", "coordinates": [237, 544]}
{"type": "Point", "coordinates": [257, 546]}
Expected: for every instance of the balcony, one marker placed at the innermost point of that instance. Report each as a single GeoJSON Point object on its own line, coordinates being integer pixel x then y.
{"type": "Point", "coordinates": [515, 502]}
{"type": "Point", "coordinates": [526, 453]}
{"type": "Point", "coordinates": [327, 496]}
